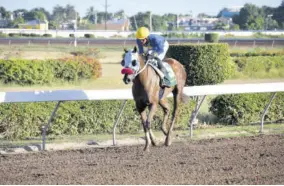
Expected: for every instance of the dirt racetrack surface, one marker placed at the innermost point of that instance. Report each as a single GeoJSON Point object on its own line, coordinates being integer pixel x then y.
{"type": "Point", "coordinates": [242, 160]}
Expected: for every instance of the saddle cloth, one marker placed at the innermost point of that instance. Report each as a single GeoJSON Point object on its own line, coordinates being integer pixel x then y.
{"type": "Point", "coordinates": [169, 77]}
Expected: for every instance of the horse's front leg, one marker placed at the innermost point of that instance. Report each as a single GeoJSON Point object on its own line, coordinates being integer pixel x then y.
{"type": "Point", "coordinates": [143, 115]}
{"type": "Point", "coordinates": [152, 110]}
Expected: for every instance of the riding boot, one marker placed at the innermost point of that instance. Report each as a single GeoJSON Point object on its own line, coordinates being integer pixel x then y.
{"type": "Point", "coordinates": [163, 69]}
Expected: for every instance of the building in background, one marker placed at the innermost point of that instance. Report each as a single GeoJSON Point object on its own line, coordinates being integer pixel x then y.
{"type": "Point", "coordinates": [115, 24]}
{"type": "Point", "coordinates": [35, 24]}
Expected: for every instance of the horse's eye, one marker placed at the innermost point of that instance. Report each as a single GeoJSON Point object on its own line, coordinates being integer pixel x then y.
{"type": "Point", "coordinates": [133, 62]}
{"type": "Point", "coordinates": [122, 63]}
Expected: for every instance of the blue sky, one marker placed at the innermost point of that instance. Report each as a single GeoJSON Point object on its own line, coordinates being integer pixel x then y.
{"type": "Point", "coordinates": [211, 7]}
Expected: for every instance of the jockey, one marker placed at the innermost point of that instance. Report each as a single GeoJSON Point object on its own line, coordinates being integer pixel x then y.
{"type": "Point", "coordinates": [156, 44]}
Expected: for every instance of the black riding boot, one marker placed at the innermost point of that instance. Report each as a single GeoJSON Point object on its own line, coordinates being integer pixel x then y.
{"type": "Point", "coordinates": [163, 69]}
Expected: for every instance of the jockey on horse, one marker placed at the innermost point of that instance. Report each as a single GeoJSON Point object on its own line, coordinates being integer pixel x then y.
{"type": "Point", "coordinates": [157, 47]}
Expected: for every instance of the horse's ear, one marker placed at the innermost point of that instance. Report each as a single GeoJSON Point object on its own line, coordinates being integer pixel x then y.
{"type": "Point", "coordinates": [134, 49]}
{"type": "Point", "coordinates": [125, 50]}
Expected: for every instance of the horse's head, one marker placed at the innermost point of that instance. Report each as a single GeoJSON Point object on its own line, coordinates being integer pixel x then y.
{"type": "Point", "coordinates": [131, 65]}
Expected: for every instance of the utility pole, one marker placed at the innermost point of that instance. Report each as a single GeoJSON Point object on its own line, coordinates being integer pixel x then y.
{"type": "Point", "coordinates": [135, 22]}
{"type": "Point", "coordinates": [106, 6]}
{"type": "Point", "coordinates": [75, 29]}
{"type": "Point", "coordinates": [177, 22]}
{"type": "Point", "coordinates": [150, 21]}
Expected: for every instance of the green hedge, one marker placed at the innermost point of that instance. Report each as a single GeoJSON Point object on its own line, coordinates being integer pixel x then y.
{"type": "Point", "coordinates": [47, 35]}
{"type": "Point", "coordinates": [2, 35]}
{"type": "Point", "coordinates": [89, 36]}
{"type": "Point", "coordinates": [211, 37]}
{"type": "Point", "coordinates": [257, 53]}
{"type": "Point", "coordinates": [25, 120]}
{"type": "Point", "coordinates": [30, 72]}
{"type": "Point", "coordinates": [259, 67]}
{"type": "Point", "coordinates": [243, 109]}
{"type": "Point", "coordinates": [205, 63]}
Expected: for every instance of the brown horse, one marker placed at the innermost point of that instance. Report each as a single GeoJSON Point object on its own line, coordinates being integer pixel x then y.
{"type": "Point", "coordinates": [145, 90]}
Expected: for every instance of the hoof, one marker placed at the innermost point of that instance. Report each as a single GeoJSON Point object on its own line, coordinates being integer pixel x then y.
{"type": "Point", "coordinates": [168, 141]}
{"type": "Point", "coordinates": [146, 149]}
{"type": "Point", "coordinates": [155, 143]}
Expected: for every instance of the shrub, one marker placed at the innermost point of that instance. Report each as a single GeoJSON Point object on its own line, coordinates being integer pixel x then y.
{"type": "Point", "coordinates": [205, 64]}
{"type": "Point", "coordinates": [2, 35]}
{"type": "Point", "coordinates": [47, 35]}
{"type": "Point", "coordinates": [243, 109]}
{"type": "Point", "coordinates": [71, 35]}
{"type": "Point", "coordinates": [89, 36]}
{"type": "Point", "coordinates": [34, 35]}
{"type": "Point", "coordinates": [14, 35]}
{"type": "Point", "coordinates": [24, 120]}
{"type": "Point", "coordinates": [211, 37]}
{"type": "Point", "coordinates": [30, 72]}
{"type": "Point", "coordinates": [26, 35]}
{"type": "Point", "coordinates": [259, 67]}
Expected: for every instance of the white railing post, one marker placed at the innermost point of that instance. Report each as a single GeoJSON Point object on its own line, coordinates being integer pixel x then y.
{"type": "Point", "coordinates": [194, 113]}
{"type": "Point", "coordinates": [45, 127]}
{"type": "Point", "coordinates": [116, 122]}
{"type": "Point", "coordinates": [265, 111]}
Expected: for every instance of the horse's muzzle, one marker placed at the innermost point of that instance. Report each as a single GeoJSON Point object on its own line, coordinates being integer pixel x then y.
{"type": "Point", "coordinates": [126, 79]}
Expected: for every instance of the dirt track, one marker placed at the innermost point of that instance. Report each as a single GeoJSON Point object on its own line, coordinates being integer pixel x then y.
{"type": "Point", "coordinates": [244, 160]}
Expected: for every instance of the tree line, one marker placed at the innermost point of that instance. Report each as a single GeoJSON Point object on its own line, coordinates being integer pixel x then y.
{"type": "Point", "coordinates": [251, 17]}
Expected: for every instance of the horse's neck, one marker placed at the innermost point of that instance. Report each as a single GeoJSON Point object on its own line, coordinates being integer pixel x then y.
{"type": "Point", "coordinates": [143, 75]}
{"type": "Point", "coordinates": [147, 77]}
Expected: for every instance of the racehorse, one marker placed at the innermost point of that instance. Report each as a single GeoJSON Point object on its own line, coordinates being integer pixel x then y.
{"type": "Point", "coordinates": [145, 90]}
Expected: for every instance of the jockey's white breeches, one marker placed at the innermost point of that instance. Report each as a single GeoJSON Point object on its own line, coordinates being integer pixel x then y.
{"type": "Point", "coordinates": [166, 47]}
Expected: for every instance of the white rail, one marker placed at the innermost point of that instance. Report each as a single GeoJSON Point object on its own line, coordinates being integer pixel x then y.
{"type": "Point", "coordinates": [126, 94]}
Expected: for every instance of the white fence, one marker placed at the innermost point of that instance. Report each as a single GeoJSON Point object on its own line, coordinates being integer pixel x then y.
{"type": "Point", "coordinates": [125, 94]}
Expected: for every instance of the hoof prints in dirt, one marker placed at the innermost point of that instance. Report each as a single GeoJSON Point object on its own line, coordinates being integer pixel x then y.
{"type": "Point", "coordinates": [243, 160]}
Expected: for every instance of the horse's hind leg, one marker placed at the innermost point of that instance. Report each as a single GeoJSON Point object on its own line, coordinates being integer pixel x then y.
{"type": "Point", "coordinates": [164, 104]}
{"type": "Point", "coordinates": [177, 96]}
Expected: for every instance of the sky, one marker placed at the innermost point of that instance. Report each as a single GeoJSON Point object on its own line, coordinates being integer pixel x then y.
{"type": "Point", "coordinates": [131, 7]}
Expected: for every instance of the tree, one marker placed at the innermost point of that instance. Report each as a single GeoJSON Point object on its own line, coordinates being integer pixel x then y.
{"type": "Point", "coordinates": [4, 14]}
{"type": "Point", "coordinates": [204, 15]}
{"type": "Point", "coordinates": [19, 12]}
{"type": "Point", "coordinates": [251, 17]}
{"type": "Point", "coordinates": [143, 19]}
{"type": "Point", "coordinates": [92, 15]}
{"type": "Point", "coordinates": [221, 26]}
{"type": "Point", "coordinates": [65, 14]}
{"type": "Point", "coordinates": [58, 15]}
{"type": "Point", "coordinates": [70, 12]}
{"type": "Point", "coordinates": [35, 15]}
{"type": "Point", "coordinates": [16, 22]}
{"type": "Point", "coordinates": [101, 17]}
{"type": "Point", "coordinates": [46, 13]}
{"type": "Point", "coordinates": [235, 27]}
{"type": "Point", "coordinates": [278, 15]}
{"type": "Point", "coordinates": [119, 14]}
{"type": "Point", "coordinates": [171, 20]}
